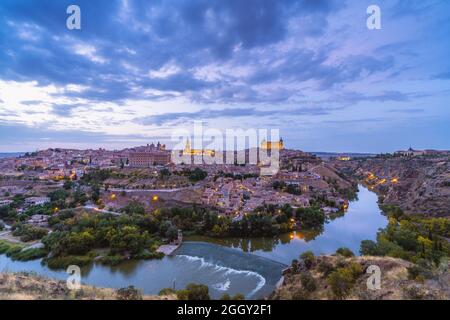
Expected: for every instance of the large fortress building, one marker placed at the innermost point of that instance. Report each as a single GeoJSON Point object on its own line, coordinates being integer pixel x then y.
{"type": "Point", "coordinates": [270, 145]}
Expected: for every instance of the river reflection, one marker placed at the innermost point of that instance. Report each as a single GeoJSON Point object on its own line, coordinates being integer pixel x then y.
{"type": "Point", "coordinates": [360, 222]}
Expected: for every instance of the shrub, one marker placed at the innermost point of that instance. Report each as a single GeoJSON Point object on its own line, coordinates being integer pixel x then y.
{"type": "Point", "coordinates": [29, 254]}
{"type": "Point", "coordinates": [325, 268]}
{"type": "Point", "coordinates": [225, 296]}
{"type": "Point", "coordinates": [300, 294]}
{"type": "Point", "coordinates": [238, 296]}
{"type": "Point", "coordinates": [341, 282]}
{"type": "Point", "coordinates": [146, 255]}
{"type": "Point", "coordinates": [343, 279]}
{"type": "Point", "coordinates": [308, 282]}
{"type": "Point", "coordinates": [111, 260]}
{"type": "Point", "coordinates": [194, 292]}
{"type": "Point", "coordinates": [166, 292]}
{"type": "Point", "coordinates": [28, 232]}
{"type": "Point", "coordinates": [308, 259]}
{"type": "Point", "coordinates": [355, 268]}
{"type": "Point", "coordinates": [129, 293]}
{"type": "Point", "coordinates": [64, 262]}
{"type": "Point", "coordinates": [413, 293]}
{"type": "Point", "coordinates": [418, 273]}
{"type": "Point", "coordinates": [368, 248]}
{"type": "Point", "coordinates": [294, 265]}
{"type": "Point", "coordinates": [345, 252]}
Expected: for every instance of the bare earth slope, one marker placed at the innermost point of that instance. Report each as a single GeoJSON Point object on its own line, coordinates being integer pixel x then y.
{"type": "Point", "coordinates": [21, 286]}
{"type": "Point", "coordinates": [395, 283]}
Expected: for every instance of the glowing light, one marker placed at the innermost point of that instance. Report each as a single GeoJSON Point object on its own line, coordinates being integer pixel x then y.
{"type": "Point", "coordinates": [113, 196]}
{"type": "Point", "coordinates": [394, 180]}
{"type": "Point", "coordinates": [155, 198]}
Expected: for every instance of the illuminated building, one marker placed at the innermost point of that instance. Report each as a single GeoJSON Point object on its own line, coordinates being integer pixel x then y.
{"type": "Point", "coordinates": [188, 151]}
{"type": "Point", "coordinates": [269, 145]}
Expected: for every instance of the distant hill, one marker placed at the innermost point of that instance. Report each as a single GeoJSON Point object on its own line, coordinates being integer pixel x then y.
{"type": "Point", "coordinates": [11, 154]}
{"type": "Point", "coordinates": [328, 155]}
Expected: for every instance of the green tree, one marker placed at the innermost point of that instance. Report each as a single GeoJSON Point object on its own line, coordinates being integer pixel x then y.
{"type": "Point", "coordinates": [308, 259]}
{"type": "Point", "coordinates": [129, 293]}
{"type": "Point", "coordinates": [310, 218]}
{"type": "Point", "coordinates": [341, 282]}
{"type": "Point", "coordinates": [368, 248]}
{"type": "Point", "coordinates": [68, 184]}
{"type": "Point", "coordinates": [194, 292]}
{"type": "Point", "coordinates": [134, 207]}
{"type": "Point", "coordinates": [345, 252]}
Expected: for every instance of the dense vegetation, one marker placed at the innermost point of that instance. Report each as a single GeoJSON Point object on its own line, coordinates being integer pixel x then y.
{"type": "Point", "coordinates": [192, 291]}
{"type": "Point", "coordinates": [19, 252]}
{"type": "Point", "coordinates": [289, 188]}
{"type": "Point", "coordinates": [81, 234]}
{"type": "Point", "coordinates": [311, 218]}
{"type": "Point", "coordinates": [340, 277]}
{"type": "Point", "coordinates": [411, 238]}
{"type": "Point", "coordinates": [28, 232]}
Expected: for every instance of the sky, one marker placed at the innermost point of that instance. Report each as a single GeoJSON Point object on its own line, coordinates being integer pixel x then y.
{"type": "Point", "coordinates": [138, 70]}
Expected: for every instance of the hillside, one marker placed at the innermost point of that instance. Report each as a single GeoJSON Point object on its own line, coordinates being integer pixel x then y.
{"type": "Point", "coordinates": [25, 286]}
{"type": "Point", "coordinates": [418, 185]}
{"type": "Point", "coordinates": [337, 277]}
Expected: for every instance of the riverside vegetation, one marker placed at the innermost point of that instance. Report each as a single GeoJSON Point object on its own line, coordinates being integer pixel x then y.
{"type": "Point", "coordinates": [412, 252]}
{"type": "Point", "coordinates": [81, 236]}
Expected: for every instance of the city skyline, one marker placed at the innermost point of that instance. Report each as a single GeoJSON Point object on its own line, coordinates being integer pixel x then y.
{"type": "Point", "coordinates": [136, 71]}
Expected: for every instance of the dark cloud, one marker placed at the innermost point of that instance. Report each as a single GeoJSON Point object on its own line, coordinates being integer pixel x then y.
{"type": "Point", "coordinates": [207, 114]}
{"type": "Point", "coordinates": [144, 36]}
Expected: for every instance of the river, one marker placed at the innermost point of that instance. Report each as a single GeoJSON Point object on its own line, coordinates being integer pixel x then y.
{"type": "Point", "coordinates": [248, 266]}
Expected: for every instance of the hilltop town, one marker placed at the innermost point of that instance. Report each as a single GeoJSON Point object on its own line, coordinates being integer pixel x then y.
{"type": "Point", "coordinates": [79, 206]}
{"type": "Point", "coordinates": [146, 173]}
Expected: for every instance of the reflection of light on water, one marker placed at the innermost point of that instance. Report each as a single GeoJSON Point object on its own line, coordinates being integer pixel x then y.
{"type": "Point", "coordinates": [297, 235]}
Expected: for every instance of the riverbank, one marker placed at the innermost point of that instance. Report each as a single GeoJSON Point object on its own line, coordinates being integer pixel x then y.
{"type": "Point", "coordinates": [26, 286]}
{"type": "Point", "coordinates": [346, 278]}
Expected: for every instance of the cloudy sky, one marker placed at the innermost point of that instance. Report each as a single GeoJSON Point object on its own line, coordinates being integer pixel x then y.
{"type": "Point", "coordinates": [137, 70]}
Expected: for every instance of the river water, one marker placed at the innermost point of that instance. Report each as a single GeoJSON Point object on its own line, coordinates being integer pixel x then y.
{"type": "Point", "coordinates": [248, 266]}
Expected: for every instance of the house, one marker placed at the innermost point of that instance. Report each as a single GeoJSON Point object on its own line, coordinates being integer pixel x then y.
{"type": "Point", "coordinates": [4, 203]}
{"type": "Point", "coordinates": [38, 220]}
{"type": "Point", "coordinates": [37, 201]}
{"type": "Point", "coordinates": [410, 153]}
